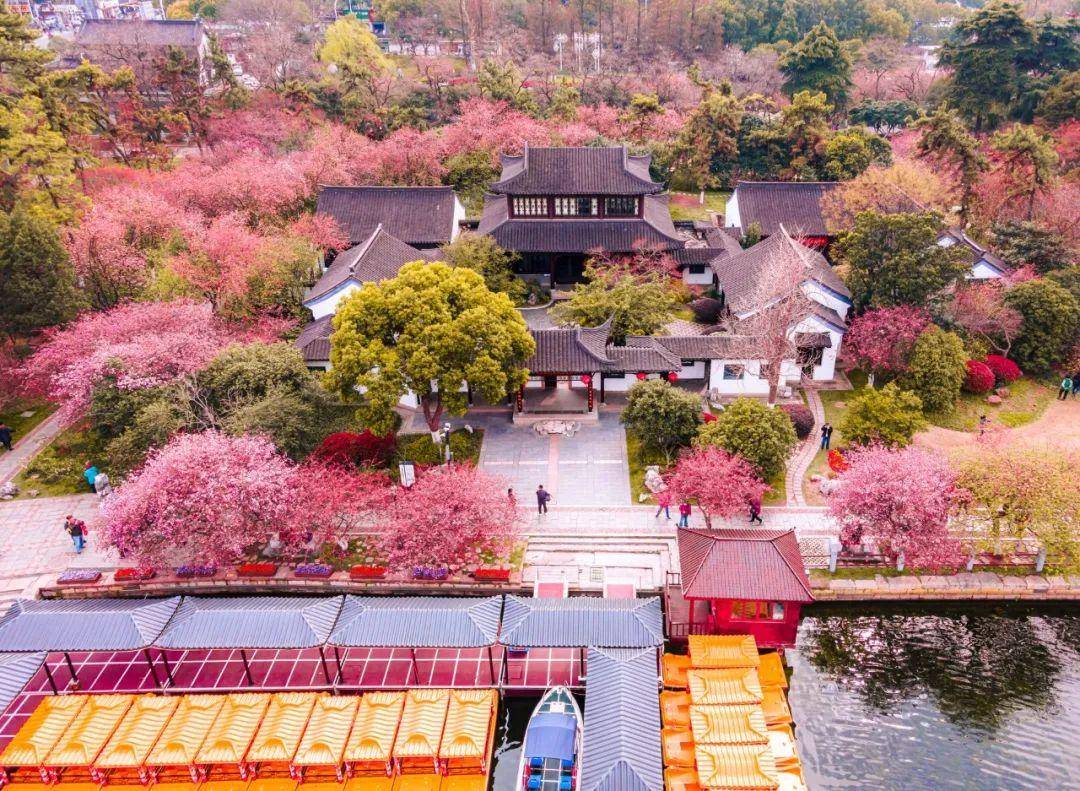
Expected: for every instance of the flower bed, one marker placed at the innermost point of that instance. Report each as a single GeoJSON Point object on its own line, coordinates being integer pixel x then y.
{"type": "Point", "coordinates": [425, 573]}
{"type": "Point", "coordinates": [367, 572]}
{"type": "Point", "coordinates": [188, 572]}
{"type": "Point", "coordinates": [134, 574]}
{"type": "Point", "coordinates": [313, 570]}
{"type": "Point", "coordinates": [79, 577]}
{"type": "Point", "coordinates": [256, 569]}
{"type": "Point", "coordinates": [491, 575]}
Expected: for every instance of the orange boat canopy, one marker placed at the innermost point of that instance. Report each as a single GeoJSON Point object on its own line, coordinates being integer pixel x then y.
{"type": "Point", "coordinates": [90, 730]}
{"type": "Point", "coordinates": [725, 687]}
{"type": "Point", "coordinates": [137, 732]}
{"type": "Point", "coordinates": [376, 725]}
{"type": "Point", "coordinates": [233, 730]}
{"type": "Point", "coordinates": [422, 723]}
{"type": "Point", "coordinates": [735, 650]}
{"type": "Point", "coordinates": [282, 727]}
{"type": "Point", "coordinates": [727, 767]}
{"type": "Point", "coordinates": [327, 731]}
{"type": "Point", "coordinates": [468, 722]}
{"type": "Point", "coordinates": [42, 731]}
{"type": "Point", "coordinates": [728, 724]}
{"type": "Point", "coordinates": [184, 735]}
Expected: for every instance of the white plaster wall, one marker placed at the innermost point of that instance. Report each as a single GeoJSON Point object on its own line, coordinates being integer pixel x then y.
{"type": "Point", "coordinates": [731, 211]}
{"type": "Point", "coordinates": [624, 384]}
{"type": "Point", "coordinates": [459, 215]}
{"type": "Point", "coordinates": [751, 383]}
{"type": "Point", "coordinates": [827, 369]}
{"type": "Point", "coordinates": [982, 271]}
{"type": "Point", "coordinates": [327, 304]}
{"type": "Point", "coordinates": [826, 298]}
{"type": "Point", "coordinates": [704, 279]}
{"type": "Point", "coordinates": [695, 371]}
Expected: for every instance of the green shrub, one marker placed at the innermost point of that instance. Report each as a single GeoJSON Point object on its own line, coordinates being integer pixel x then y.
{"type": "Point", "coordinates": [888, 415]}
{"type": "Point", "coordinates": [761, 435]}
{"type": "Point", "coordinates": [663, 417]}
{"type": "Point", "coordinates": [936, 369]}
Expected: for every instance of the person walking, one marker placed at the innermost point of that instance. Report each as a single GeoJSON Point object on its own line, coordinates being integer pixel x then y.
{"type": "Point", "coordinates": [102, 485]}
{"type": "Point", "coordinates": [755, 510]}
{"type": "Point", "coordinates": [511, 497]}
{"type": "Point", "coordinates": [663, 500]}
{"type": "Point", "coordinates": [684, 514]}
{"type": "Point", "coordinates": [826, 435]}
{"type": "Point", "coordinates": [1076, 383]}
{"type": "Point", "coordinates": [1066, 388]}
{"type": "Point", "coordinates": [982, 424]}
{"type": "Point", "coordinates": [5, 435]}
{"type": "Point", "coordinates": [90, 472]}
{"type": "Point", "coordinates": [76, 528]}
{"type": "Point", "coordinates": [542, 498]}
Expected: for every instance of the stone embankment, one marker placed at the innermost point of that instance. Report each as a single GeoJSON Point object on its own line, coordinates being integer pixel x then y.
{"type": "Point", "coordinates": [954, 587]}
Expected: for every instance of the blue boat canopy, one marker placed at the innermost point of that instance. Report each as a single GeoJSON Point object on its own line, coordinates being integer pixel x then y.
{"type": "Point", "coordinates": [551, 735]}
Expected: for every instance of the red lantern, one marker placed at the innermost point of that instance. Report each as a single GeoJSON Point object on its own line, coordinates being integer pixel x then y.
{"type": "Point", "coordinates": [586, 379]}
{"type": "Point", "coordinates": [672, 376]}
{"type": "Point", "coordinates": [641, 375]}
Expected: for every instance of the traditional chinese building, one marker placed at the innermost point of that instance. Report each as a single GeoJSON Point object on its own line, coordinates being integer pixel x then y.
{"type": "Point", "coordinates": [738, 582]}
{"type": "Point", "coordinates": [797, 205]}
{"type": "Point", "coordinates": [554, 206]}
{"type": "Point", "coordinates": [422, 217]}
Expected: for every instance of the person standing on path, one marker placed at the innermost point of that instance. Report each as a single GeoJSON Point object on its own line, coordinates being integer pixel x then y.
{"type": "Point", "coordinates": [102, 485]}
{"type": "Point", "coordinates": [1066, 388]}
{"type": "Point", "coordinates": [755, 510]}
{"type": "Point", "coordinates": [684, 514]}
{"type": "Point", "coordinates": [663, 500]}
{"type": "Point", "coordinates": [5, 435]}
{"type": "Point", "coordinates": [826, 435]}
{"type": "Point", "coordinates": [90, 473]}
{"type": "Point", "coordinates": [1076, 383]}
{"type": "Point", "coordinates": [542, 498]}
{"type": "Point", "coordinates": [76, 528]}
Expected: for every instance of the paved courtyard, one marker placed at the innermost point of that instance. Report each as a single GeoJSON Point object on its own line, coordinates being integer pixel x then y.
{"type": "Point", "coordinates": [588, 469]}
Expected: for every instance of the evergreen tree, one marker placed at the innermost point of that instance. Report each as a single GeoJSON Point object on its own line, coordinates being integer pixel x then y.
{"type": "Point", "coordinates": [946, 140]}
{"type": "Point", "coordinates": [1051, 320]}
{"type": "Point", "coordinates": [1029, 161]}
{"type": "Point", "coordinates": [818, 63]}
{"type": "Point", "coordinates": [936, 369]}
{"type": "Point", "coordinates": [36, 277]}
{"type": "Point", "coordinates": [1024, 243]}
{"type": "Point", "coordinates": [708, 143]}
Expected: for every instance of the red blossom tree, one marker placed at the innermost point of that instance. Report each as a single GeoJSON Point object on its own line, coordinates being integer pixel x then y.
{"type": "Point", "coordinates": [722, 484]}
{"type": "Point", "coordinates": [981, 310]}
{"type": "Point", "coordinates": [881, 340]}
{"type": "Point", "coordinates": [900, 501]}
{"type": "Point", "coordinates": [142, 344]}
{"type": "Point", "coordinates": [357, 450]}
{"type": "Point", "coordinates": [452, 517]}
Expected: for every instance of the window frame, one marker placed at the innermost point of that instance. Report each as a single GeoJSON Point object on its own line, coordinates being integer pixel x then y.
{"type": "Point", "coordinates": [733, 366]}
{"type": "Point", "coordinates": [626, 205]}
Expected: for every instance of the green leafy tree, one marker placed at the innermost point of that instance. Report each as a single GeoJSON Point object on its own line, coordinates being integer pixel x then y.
{"type": "Point", "coordinates": [1068, 278]}
{"type": "Point", "coordinates": [37, 166]}
{"type": "Point", "coordinates": [851, 152]}
{"type": "Point", "coordinates": [296, 422]}
{"type": "Point", "coordinates": [936, 370]}
{"type": "Point", "coordinates": [503, 83]}
{"type": "Point", "coordinates": [431, 331]}
{"type": "Point", "coordinates": [643, 108]}
{"type": "Point", "coordinates": [482, 255]}
{"type": "Point", "coordinates": [244, 373]}
{"type": "Point", "coordinates": [22, 62]}
{"type": "Point", "coordinates": [707, 145]}
{"type": "Point", "coordinates": [663, 417]}
{"type": "Point", "coordinates": [761, 435]}
{"type": "Point", "coordinates": [151, 427]}
{"type": "Point", "coordinates": [884, 117]}
{"type": "Point", "coordinates": [1061, 102]}
{"type": "Point", "coordinates": [1029, 160]}
{"type": "Point", "coordinates": [36, 276]}
{"type": "Point", "coordinates": [469, 173]}
{"type": "Point", "coordinates": [357, 61]}
{"type": "Point", "coordinates": [887, 415]}
{"type": "Point", "coordinates": [1029, 243]}
{"type": "Point", "coordinates": [893, 259]}
{"type": "Point", "coordinates": [946, 141]}
{"type": "Point", "coordinates": [636, 304]}
{"type": "Point", "coordinates": [989, 53]}
{"type": "Point", "coordinates": [1051, 321]}
{"type": "Point", "coordinates": [818, 63]}
{"type": "Point", "coordinates": [564, 101]}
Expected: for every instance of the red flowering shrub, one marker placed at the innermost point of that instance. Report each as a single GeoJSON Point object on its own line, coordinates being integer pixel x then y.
{"type": "Point", "coordinates": [837, 462]}
{"type": "Point", "coordinates": [801, 417]}
{"type": "Point", "coordinates": [707, 417]}
{"type": "Point", "coordinates": [257, 569]}
{"type": "Point", "coordinates": [134, 574]}
{"type": "Point", "coordinates": [367, 572]}
{"type": "Point", "coordinates": [1004, 369]}
{"type": "Point", "coordinates": [361, 450]}
{"type": "Point", "coordinates": [980, 379]}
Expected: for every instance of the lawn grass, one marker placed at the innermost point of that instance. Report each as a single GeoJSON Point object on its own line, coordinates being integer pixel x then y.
{"type": "Point", "coordinates": [835, 404]}
{"type": "Point", "coordinates": [1027, 401]}
{"type": "Point", "coordinates": [20, 423]}
{"type": "Point", "coordinates": [685, 206]}
{"type": "Point", "coordinates": [778, 494]}
{"type": "Point", "coordinates": [640, 457]}
{"type": "Point", "coordinates": [58, 469]}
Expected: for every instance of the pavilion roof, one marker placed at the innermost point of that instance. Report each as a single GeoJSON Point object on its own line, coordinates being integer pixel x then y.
{"type": "Point", "coordinates": [742, 564]}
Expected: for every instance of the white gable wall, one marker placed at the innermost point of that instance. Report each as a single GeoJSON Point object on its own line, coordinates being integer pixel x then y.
{"type": "Point", "coordinates": [827, 369]}
{"type": "Point", "coordinates": [981, 270]}
{"type": "Point", "coordinates": [326, 305]}
{"type": "Point", "coordinates": [731, 211]}
{"type": "Point", "coordinates": [823, 296]}
{"type": "Point", "coordinates": [705, 278]}
{"type": "Point", "coordinates": [459, 215]}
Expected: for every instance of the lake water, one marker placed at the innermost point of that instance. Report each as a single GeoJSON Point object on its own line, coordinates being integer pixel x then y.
{"type": "Point", "coordinates": [984, 697]}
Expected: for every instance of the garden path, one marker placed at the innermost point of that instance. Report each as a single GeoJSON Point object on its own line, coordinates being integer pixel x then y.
{"type": "Point", "coordinates": [25, 448]}
{"type": "Point", "coordinates": [804, 456]}
{"type": "Point", "coordinates": [1057, 427]}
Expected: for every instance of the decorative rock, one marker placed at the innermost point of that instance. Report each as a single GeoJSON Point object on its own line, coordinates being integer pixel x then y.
{"type": "Point", "coordinates": [653, 481]}
{"type": "Point", "coordinates": [830, 485]}
{"type": "Point", "coordinates": [1002, 392]}
{"type": "Point", "coordinates": [33, 492]}
{"type": "Point", "coordinates": [994, 399]}
{"type": "Point", "coordinates": [9, 490]}
{"type": "Point", "coordinates": [840, 404]}
{"type": "Point", "coordinates": [817, 477]}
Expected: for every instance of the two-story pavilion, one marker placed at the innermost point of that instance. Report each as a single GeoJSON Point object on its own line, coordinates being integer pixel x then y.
{"type": "Point", "coordinates": [554, 206]}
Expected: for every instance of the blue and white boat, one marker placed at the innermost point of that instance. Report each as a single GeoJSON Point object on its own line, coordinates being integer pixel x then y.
{"type": "Point", "coordinates": [551, 755]}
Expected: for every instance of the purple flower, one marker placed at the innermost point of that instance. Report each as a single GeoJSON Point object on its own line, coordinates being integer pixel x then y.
{"type": "Point", "coordinates": [79, 575]}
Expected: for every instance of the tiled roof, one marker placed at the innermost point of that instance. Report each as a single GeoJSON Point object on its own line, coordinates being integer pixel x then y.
{"type": "Point", "coordinates": [744, 277]}
{"type": "Point", "coordinates": [250, 622]}
{"type": "Point", "coordinates": [621, 748]}
{"type": "Point", "coordinates": [645, 353]}
{"type": "Point", "coordinates": [15, 671]}
{"type": "Point", "coordinates": [379, 257]}
{"type": "Point", "coordinates": [570, 350]}
{"type": "Point", "coordinates": [580, 235]}
{"type": "Point", "coordinates": [149, 32]}
{"type": "Point", "coordinates": [742, 564]}
{"type": "Point", "coordinates": [84, 624]}
{"type": "Point", "coordinates": [418, 622]}
{"type": "Point", "coordinates": [975, 252]}
{"type": "Point", "coordinates": [709, 347]}
{"type": "Point", "coordinates": [415, 215]}
{"type": "Point", "coordinates": [724, 238]}
{"type": "Point", "coordinates": [582, 621]}
{"type": "Point", "coordinates": [575, 171]}
{"type": "Point", "coordinates": [794, 204]}
{"type": "Point", "coordinates": [314, 340]}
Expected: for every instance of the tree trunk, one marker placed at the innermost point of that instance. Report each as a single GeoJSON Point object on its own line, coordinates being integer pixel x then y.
{"type": "Point", "coordinates": [433, 412]}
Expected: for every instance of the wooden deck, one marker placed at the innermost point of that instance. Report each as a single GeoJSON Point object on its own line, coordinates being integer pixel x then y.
{"type": "Point", "coordinates": [677, 614]}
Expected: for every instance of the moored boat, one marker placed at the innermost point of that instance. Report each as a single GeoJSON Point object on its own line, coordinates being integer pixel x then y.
{"type": "Point", "coordinates": [551, 754]}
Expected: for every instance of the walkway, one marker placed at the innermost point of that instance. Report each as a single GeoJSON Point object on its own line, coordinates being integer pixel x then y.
{"type": "Point", "coordinates": [1057, 427]}
{"type": "Point", "coordinates": [800, 462]}
{"type": "Point", "coordinates": [13, 462]}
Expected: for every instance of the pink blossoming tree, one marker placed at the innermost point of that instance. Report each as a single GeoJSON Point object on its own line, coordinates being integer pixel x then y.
{"type": "Point", "coordinates": [901, 502]}
{"type": "Point", "coordinates": [881, 340]}
{"type": "Point", "coordinates": [722, 484]}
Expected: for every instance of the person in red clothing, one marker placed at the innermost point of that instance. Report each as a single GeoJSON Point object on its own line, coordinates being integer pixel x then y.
{"type": "Point", "coordinates": [684, 514]}
{"type": "Point", "coordinates": [755, 510]}
{"type": "Point", "coordinates": [663, 500]}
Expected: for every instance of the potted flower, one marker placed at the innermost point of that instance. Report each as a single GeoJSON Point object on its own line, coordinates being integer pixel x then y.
{"type": "Point", "coordinates": [430, 573]}
{"type": "Point", "coordinates": [79, 577]}
{"type": "Point", "coordinates": [491, 575]}
{"type": "Point", "coordinates": [191, 570]}
{"type": "Point", "coordinates": [367, 572]}
{"type": "Point", "coordinates": [313, 570]}
{"type": "Point", "coordinates": [134, 574]}
{"type": "Point", "coordinates": [256, 569]}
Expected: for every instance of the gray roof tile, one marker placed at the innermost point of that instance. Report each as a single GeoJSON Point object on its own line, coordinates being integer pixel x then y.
{"type": "Point", "coordinates": [251, 622]}
{"type": "Point", "coordinates": [415, 215]}
{"type": "Point", "coordinates": [84, 624]}
{"type": "Point", "coordinates": [379, 257]}
{"type": "Point", "coordinates": [16, 670]}
{"type": "Point", "coordinates": [314, 340]}
{"type": "Point", "coordinates": [418, 622]}
{"type": "Point", "coordinates": [794, 204]}
{"type": "Point", "coordinates": [582, 621]}
{"type": "Point", "coordinates": [576, 171]}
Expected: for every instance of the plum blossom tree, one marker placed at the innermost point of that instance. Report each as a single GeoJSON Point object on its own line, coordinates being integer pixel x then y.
{"type": "Point", "coordinates": [881, 340]}
{"type": "Point", "coordinates": [981, 310]}
{"type": "Point", "coordinates": [452, 517]}
{"type": "Point", "coordinates": [142, 345]}
{"type": "Point", "coordinates": [721, 483]}
{"type": "Point", "coordinates": [899, 500]}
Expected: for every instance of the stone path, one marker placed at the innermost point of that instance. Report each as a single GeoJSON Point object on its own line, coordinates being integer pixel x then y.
{"type": "Point", "coordinates": [12, 462]}
{"type": "Point", "coordinates": [804, 456]}
{"type": "Point", "coordinates": [1057, 427]}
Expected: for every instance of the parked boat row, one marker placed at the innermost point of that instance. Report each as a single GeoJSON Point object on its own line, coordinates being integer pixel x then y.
{"type": "Point", "coordinates": [726, 721]}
